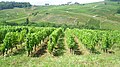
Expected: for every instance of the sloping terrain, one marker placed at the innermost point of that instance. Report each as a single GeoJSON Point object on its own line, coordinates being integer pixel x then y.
{"type": "Point", "coordinates": [68, 14]}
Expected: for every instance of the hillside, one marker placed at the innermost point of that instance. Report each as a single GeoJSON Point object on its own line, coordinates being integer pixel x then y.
{"type": "Point", "coordinates": [93, 14]}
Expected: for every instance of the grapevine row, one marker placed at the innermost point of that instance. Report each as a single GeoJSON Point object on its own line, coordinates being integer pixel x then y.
{"type": "Point", "coordinates": [70, 40]}
{"type": "Point", "coordinates": [92, 38]}
{"type": "Point", "coordinates": [33, 39]}
{"type": "Point", "coordinates": [53, 39]}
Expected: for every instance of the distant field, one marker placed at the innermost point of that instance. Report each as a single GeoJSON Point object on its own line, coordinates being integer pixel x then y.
{"type": "Point", "coordinates": [67, 14]}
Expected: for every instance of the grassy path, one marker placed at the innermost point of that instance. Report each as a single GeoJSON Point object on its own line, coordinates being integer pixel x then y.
{"type": "Point", "coordinates": [82, 48]}
{"type": "Point", "coordinates": [66, 47]}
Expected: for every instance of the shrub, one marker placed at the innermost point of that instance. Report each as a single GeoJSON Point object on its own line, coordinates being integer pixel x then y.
{"type": "Point", "coordinates": [118, 11]}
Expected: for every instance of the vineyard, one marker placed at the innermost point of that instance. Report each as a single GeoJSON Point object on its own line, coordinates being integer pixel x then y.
{"type": "Point", "coordinates": [75, 41]}
{"type": "Point", "coordinates": [64, 35]}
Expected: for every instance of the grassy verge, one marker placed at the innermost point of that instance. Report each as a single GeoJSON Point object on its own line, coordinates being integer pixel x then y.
{"type": "Point", "coordinates": [93, 60]}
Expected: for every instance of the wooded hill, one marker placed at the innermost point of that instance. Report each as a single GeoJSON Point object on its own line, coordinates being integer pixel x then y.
{"type": "Point", "coordinates": [11, 5]}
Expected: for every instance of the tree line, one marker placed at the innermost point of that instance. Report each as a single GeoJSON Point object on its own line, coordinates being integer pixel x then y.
{"type": "Point", "coordinates": [11, 5]}
{"type": "Point", "coordinates": [113, 0]}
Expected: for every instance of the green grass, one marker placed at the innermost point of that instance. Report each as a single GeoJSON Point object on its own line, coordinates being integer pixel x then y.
{"type": "Point", "coordinates": [11, 14]}
{"type": "Point", "coordinates": [102, 60]}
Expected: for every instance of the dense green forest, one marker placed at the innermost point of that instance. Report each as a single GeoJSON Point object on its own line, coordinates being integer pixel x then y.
{"type": "Point", "coordinates": [11, 5]}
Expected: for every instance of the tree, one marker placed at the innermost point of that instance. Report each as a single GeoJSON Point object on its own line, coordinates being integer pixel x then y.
{"type": "Point", "coordinates": [27, 20]}
{"type": "Point", "coordinates": [118, 11]}
{"type": "Point", "coordinates": [11, 5]}
{"type": "Point", "coordinates": [46, 4]}
{"type": "Point", "coordinates": [77, 3]}
{"type": "Point", "coordinates": [105, 3]}
{"type": "Point", "coordinates": [118, 2]}
{"type": "Point", "coordinates": [68, 3]}
{"type": "Point", "coordinates": [112, 0]}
